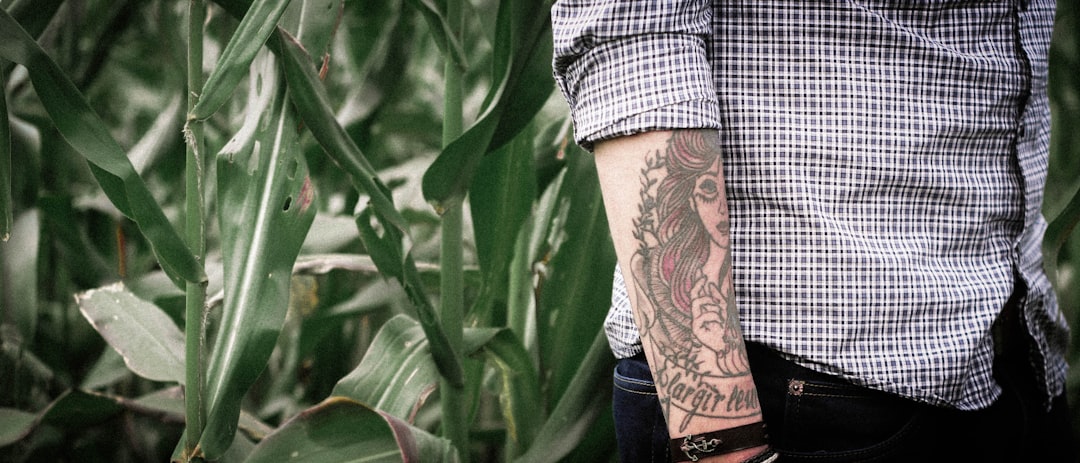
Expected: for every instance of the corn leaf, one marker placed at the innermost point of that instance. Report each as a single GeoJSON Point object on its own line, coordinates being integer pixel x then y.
{"type": "Point", "coordinates": [1061, 228]}
{"type": "Point", "coordinates": [83, 130]}
{"type": "Point", "coordinates": [18, 273]}
{"type": "Point", "coordinates": [148, 340]}
{"type": "Point", "coordinates": [500, 200]}
{"type": "Point", "coordinates": [72, 409]}
{"type": "Point", "coordinates": [520, 398]}
{"type": "Point", "coordinates": [77, 408]}
{"type": "Point", "coordinates": [309, 96]}
{"type": "Point", "coordinates": [108, 369]}
{"type": "Point", "coordinates": [264, 211]}
{"type": "Point", "coordinates": [341, 430]}
{"type": "Point", "coordinates": [14, 425]}
{"type": "Point", "coordinates": [444, 35]}
{"type": "Point", "coordinates": [34, 15]}
{"type": "Point", "coordinates": [6, 206]}
{"type": "Point", "coordinates": [523, 279]}
{"type": "Point", "coordinates": [59, 216]}
{"type": "Point", "coordinates": [523, 84]}
{"type": "Point", "coordinates": [166, 133]}
{"type": "Point", "coordinates": [313, 23]}
{"type": "Point", "coordinates": [386, 251]}
{"type": "Point", "coordinates": [578, 408]}
{"type": "Point", "coordinates": [312, 103]}
{"type": "Point", "coordinates": [238, 451]}
{"type": "Point", "coordinates": [170, 402]}
{"type": "Point", "coordinates": [258, 23]}
{"type": "Point", "coordinates": [396, 374]}
{"type": "Point", "coordinates": [23, 370]}
{"type": "Point", "coordinates": [581, 262]}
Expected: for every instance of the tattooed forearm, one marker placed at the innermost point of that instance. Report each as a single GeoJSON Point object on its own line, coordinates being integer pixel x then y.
{"type": "Point", "coordinates": [685, 303]}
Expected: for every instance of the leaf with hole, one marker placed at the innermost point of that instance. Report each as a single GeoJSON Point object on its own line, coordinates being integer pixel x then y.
{"type": "Point", "coordinates": [264, 205]}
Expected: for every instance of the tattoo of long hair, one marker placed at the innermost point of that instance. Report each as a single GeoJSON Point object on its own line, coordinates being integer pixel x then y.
{"type": "Point", "coordinates": [684, 240]}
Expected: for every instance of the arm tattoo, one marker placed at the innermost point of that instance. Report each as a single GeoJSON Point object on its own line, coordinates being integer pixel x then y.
{"type": "Point", "coordinates": [681, 269]}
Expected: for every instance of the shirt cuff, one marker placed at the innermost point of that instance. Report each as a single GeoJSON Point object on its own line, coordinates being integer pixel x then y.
{"type": "Point", "coordinates": [641, 83]}
{"type": "Point", "coordinates": [698, 114]}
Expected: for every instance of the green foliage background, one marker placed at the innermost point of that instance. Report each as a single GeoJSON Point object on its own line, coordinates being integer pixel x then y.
{"type": "Point", "coordinates": [289, 260]}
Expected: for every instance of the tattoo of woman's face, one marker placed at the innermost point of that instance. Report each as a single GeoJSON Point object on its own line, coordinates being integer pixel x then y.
{"type": "Point", "coordinates": [686, 304]}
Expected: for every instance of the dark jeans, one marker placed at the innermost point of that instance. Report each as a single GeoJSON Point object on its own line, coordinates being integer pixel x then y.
{"type": "Point", "coordinates": [815, 417]}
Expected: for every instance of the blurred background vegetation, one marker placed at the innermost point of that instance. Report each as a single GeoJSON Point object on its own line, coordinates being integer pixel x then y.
{"type": "Point", "coordinates": [445, 101]}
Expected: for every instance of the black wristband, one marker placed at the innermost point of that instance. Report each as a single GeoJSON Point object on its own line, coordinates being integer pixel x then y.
{"type": "Point", "coordinates": [693, 447]}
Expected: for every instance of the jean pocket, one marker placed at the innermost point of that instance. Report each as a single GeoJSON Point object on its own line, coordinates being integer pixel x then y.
{"type": "Point", "coordinates": [640, 429]}
{"type": "Point", "coordinates": [633, 375]}
{"type": "Point", "coordinates": [838, 421]}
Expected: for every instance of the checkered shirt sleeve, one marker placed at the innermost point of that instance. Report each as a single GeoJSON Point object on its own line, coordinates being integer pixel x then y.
{"type": "Point", "coordinates": [627, 67]}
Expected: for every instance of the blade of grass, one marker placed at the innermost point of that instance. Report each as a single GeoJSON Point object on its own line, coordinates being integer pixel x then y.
{"type": "Point", "coordinates": [258, 23]}
{"type": "Point", "coordinates": [6, 206]}
{"type": "Point", "coordinates": [83, 130]}
{"type": "Point", "coordinates": [34, 15]}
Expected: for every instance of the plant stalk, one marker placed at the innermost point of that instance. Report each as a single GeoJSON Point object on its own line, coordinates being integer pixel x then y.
{"type": "Point", "coordinates": [455, 426]}
{"type": "Point", "coordinates": [195, 293]}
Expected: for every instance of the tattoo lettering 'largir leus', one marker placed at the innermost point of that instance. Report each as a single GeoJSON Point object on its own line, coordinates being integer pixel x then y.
{"type": "Point", "coordinates": [685, 300]}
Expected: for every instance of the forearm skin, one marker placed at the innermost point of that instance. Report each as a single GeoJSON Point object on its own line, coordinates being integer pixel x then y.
{"type": "Point", "coordinates": [667, 209]}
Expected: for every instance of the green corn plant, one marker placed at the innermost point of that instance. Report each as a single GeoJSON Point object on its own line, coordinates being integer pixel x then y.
{"type": "Point", "coordinates": [194, 232]}
{"type": "Point", "coordinates": [240, 229]}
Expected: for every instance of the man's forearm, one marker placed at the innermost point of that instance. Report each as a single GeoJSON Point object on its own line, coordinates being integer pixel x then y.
{"type": "Point", "coordinates": [664, 194]}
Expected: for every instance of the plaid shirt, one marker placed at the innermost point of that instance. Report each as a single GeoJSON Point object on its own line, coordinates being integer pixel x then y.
{"type": "Point", "coordinates": [885, 164]}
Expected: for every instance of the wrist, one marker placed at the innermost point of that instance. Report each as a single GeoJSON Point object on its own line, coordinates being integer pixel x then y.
{"type": "Point", "coordinates": [732, 444]}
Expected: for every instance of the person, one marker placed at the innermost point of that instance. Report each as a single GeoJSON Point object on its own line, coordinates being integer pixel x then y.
{"type": "Point", "coordinates": [827, 222]}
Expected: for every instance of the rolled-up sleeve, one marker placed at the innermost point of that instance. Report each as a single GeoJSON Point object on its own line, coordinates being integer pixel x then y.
{"type": "Point", "coordinates": [633, 66]}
